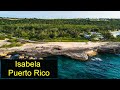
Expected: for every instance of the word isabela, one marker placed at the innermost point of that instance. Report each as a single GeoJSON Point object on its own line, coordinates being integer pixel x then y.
{"type": "Point", "coordinates": [27, 64]}
{"type": "Point", "coordinates": [36, 72]}
{"type": "Point", "coordinates": [28, 68]}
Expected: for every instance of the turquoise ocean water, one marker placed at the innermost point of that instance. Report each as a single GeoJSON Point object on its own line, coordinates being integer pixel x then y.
{"type": "Point", "coordinates": [102, 66]}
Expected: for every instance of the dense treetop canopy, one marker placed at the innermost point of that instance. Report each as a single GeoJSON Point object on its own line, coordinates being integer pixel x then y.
{"type": "Point", "coordinates": [56, 29]}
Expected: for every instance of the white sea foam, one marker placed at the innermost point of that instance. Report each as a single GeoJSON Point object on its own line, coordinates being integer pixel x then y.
{"type": "Point", "coordinates": [96, 59]}
{"type": "Point", "coordinates": [117, 54]}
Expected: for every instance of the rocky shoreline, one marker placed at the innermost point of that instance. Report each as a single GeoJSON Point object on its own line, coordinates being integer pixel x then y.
{"type": "Point", "coordinates": [78, 53]}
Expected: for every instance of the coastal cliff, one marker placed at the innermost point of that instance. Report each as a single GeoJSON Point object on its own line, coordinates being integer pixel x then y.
{"type": "Point", "coordinates": [76, 51]}
{"type": "Point", "coordinates": [112, 47]}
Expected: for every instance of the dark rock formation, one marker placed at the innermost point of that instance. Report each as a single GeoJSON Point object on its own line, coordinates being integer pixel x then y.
{"type": "Point", "coordinates": [113, 48]}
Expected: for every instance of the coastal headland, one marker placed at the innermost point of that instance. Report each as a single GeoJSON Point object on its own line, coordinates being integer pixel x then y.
{"type": "Point", "coordinates": [77, 50]}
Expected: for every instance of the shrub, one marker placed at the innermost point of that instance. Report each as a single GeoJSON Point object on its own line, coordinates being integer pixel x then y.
{"type": "Point", "coordinates": [13, 40]}
{"type": "Point", "coordinates": [2, 37]}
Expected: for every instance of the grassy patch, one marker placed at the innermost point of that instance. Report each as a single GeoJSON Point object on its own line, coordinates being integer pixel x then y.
{"type": "Point", "coordinates": [13, 40]}
{"type": "Point", "coordinates": [65, 40]}
{"type": "Point", "coordinates": [12, 45]}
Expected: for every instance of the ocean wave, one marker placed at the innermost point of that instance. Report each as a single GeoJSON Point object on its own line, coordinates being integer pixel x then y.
{"type": "Point", "coordinates": [117, 54]}
{"type": "Point", "coordinates": [96, 59]}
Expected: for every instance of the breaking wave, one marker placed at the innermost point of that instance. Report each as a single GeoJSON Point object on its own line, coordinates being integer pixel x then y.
{"type": "Point", "coordinates": [96, 59]}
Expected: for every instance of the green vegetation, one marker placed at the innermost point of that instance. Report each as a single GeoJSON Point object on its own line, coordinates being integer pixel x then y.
{"type": "Point", "coordinates": [13, 40]}
{"type": "Point", "coordinates": [14, 44]}
{"type": "Point", "coordinates": [2, 37]}
{"type": "Point", "coordinates": [58, 29]}
{"type": "Point", "coordinates": [66, 40]}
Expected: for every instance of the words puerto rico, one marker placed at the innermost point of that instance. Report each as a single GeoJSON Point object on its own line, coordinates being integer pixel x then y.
{"type": "Point", "coordinates": [28, 68]}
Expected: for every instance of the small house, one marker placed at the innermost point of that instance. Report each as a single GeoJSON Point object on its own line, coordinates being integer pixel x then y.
{"type": "Point", "coordinates": [99, 36]}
